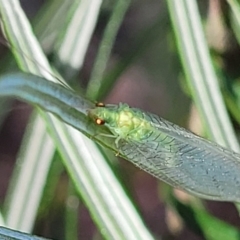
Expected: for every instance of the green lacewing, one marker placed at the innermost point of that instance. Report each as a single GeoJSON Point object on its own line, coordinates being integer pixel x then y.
{"type": "Point", "coordinates": [171, 153]}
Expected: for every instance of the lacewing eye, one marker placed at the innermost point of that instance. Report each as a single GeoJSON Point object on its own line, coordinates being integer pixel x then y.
{"type": "Point", "coordinates": [99, 121]}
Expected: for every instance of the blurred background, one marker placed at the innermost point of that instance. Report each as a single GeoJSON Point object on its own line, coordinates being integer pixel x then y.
{"type": "Point", "coordinates": [143, 70]}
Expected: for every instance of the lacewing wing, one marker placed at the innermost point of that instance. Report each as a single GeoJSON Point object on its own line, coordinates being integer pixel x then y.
{"type": "Point", "coordinates": [171, 153]}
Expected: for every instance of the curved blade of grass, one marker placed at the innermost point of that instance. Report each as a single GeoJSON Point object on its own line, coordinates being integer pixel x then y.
{"type": "Point", "coordinates": [26, 179]}
{"type": "Point", "coordinates": [80, 170]}
{"type": "Point", "coordinates": [112, 198]}
{"type": "Point", "coordinates": [47, 25]}
{"type": "Point", "coordinates": [72, 50]}
{"type": "Point", "coordinates": [71, 215]}
{"type": "Point", "coordinates": [12, 28]}
{"type": "Point", "coordinates": [232, 98]}
{"type": "Point", "coordinates": [1, 220]}
{"type": "Point", "coordinates": [17, 215]}
{"type": "Point", "coordinates": [120, 222]}
{"type": "Point", "coordinates": [200, 74]}
{"type": "Point", "coordinates": [9, 234]}
{"type": "Point", "coordinates": [148, 36]}
{"type": "Point", "coordinates": [235, 7]}
{"type": "Point", "coordinates": [105, 48]}
{"type": "Point", "coordinates": [52, 97]}
{"type": "Point", "coordinates": [204, 224]}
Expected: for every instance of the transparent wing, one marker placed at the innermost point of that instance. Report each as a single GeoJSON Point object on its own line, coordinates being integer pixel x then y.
{"type": "Point", "coordinates": [186, 161]}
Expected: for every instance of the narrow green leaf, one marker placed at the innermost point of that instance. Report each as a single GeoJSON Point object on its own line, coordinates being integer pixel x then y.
{"type": "Point", "coordinates": [105, 48]}
{"type": "Point", "coordinates": [199, 70]}
{"type": "Point", "coordinates": [47, 26]}
{"type": "Point", "coordinates": [25, 179]}
{"type": "Point", "coordinates": [9, 234]}
{"type": "Point", "coordinates": [204, 224]}
{"type": "Point", "coordinates": [74, 44]}
{"type": "Point", "coordinates": [52, 97]}
{"type": "Point", "coordinates": [1, 220]}
{"type": "Point", "coordinates": [17, 216]}
{"type": "Point", "coordinates": [235, 7]}
{"type": "Point", "coordinates": [148, 36]}
{"type": "Point", "coordinates": [71, 214]}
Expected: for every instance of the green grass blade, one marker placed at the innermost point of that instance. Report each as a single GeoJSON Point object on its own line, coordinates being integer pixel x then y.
{"type": "Point", "coordinates": [204, 224]}
{"type": "Point", "coordinates": [9, 234]}
{"type": "Point", "coordinates": [148, 36]}
{"type": "Point", "coordinates": [1, 220]}
{"type": "Point", "coordinates": [52, 97]}
{"type": "Point", "coordinates": [235, 7]}
{"type": "Point", "coordinates": [71, 214]}
{"type": "Point", "coordinates": [105, 48]}
{"type": "Point", "coordinates": [13, 23]}
{"type": "Point", "coordinates": [117, 224]}
{"type": "Point", "coordinates": [47, 25]}
{"type": "Point", "coordinates": [74, 44]}
{"type": "Point", "coordinates": [200, 74]}
{"type": "Point", "coordinates": [13, 20]}
{"type": "Point", "coordinates": [121, 223]}
{"type": "Point", "coordinates": [26, 179]}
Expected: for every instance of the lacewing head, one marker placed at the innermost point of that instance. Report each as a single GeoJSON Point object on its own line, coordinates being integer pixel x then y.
{"type": "Point", "coordinates": [100, 114]}
{"type": "Point", "coordinates": [121, 120]}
